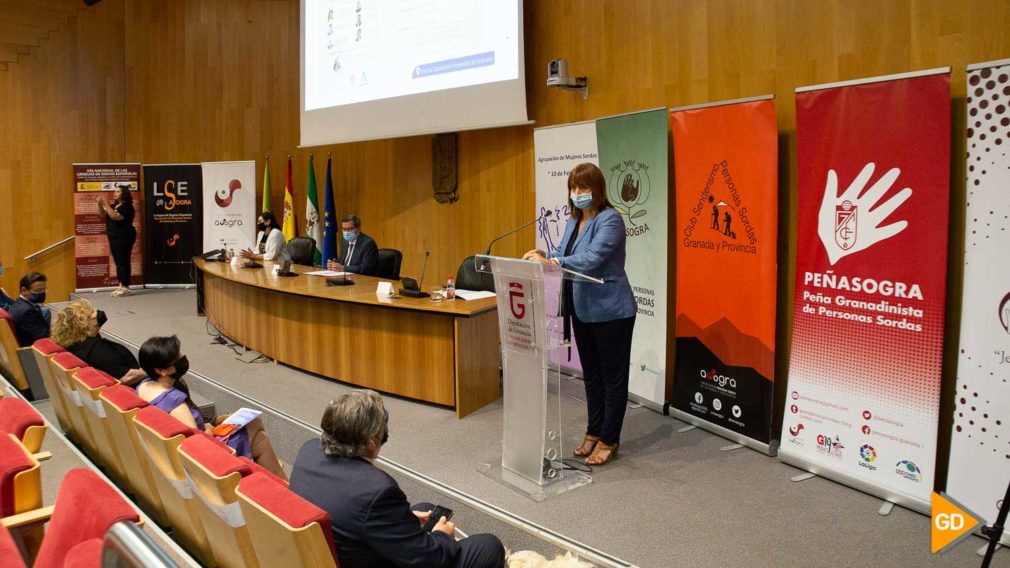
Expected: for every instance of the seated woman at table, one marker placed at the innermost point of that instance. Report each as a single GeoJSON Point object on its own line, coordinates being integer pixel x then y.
{"type": "Point", "coordinates": [163, 361]}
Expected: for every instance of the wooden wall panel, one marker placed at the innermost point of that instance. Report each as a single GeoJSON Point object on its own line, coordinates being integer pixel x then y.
{"type": "Point", "coordinates": [61, 103]}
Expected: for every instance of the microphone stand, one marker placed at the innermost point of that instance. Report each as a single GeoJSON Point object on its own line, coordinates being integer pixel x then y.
{"type": "Point", "coordinates": [517, 229]}
{"type": "Point", "coordinates": [995, 532]}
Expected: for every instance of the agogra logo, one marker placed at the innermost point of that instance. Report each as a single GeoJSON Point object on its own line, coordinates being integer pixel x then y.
{"type": "Point", "coordinates": [715, 377]}
{"type": "Point", "coordinates": [1003, 311]}
{"type": "Point", "coordinates": [795, 430]}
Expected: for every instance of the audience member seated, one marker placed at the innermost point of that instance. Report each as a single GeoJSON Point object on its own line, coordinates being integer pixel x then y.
{"type": "Point", "coordinates": [30, 322]}
{"type": "Point", "coordinates": [76, 329]}
{"type": "Point", "coordinates": [162, 360]}
{"type": "Point", "coordinates": [358, 253]}
{"type": "Point", "coordinates": [373, 524]}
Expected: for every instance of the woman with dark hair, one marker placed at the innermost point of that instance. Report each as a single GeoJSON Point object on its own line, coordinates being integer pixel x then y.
{"type": "Point", "coordinates": [163, 361]}
{"type": "Point", "coordinates": [269, 240]}
{"type": "Point", "coordinates": [602, 315]}
{"type": "Point", "coordinates": [118, 214]}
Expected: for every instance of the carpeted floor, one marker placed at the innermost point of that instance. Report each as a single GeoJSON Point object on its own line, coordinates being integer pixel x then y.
{"type": "Point", "coordinates": [672, 499]}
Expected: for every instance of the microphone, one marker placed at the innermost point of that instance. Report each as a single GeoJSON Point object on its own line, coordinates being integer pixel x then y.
{"type": "Point", "coordinates": [546, 214]}
{"type": "Point", "coordinates": [412, 288]}
{"type": "Point", "coordinates": [424, 267]}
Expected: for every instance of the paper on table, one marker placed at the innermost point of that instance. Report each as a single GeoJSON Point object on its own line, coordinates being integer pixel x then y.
{"type": "Point", "coordinates": [473, 294]}
{"type": "Point", "coordinates": [328, 273]}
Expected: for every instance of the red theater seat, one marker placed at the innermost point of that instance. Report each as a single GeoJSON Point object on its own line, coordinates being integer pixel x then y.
{"type": "Point", "coordinates": [285, 529]}
{"type": "Point", "coordinates": [9, 361]}
{"type": "Point", "coordinates": [10, 556]}
{"type": "Point", "coordinates": [43, 350]}
{"type": "Point", "coordinates": [20, 483]}
{"type": "Point", "coordinates": [21, 419]}
{"type": "Point", "coordinates": [90, 383]}
{"type": "Point", "coordinates": [86, 506]}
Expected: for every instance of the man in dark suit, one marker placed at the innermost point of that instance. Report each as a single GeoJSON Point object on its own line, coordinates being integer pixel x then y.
{"type": "Point", "coordinates": [373, 525]}
{"type": "Point", "coordinates": [358, 252]}
{"type": "Point", "coordinates": [30, 323]}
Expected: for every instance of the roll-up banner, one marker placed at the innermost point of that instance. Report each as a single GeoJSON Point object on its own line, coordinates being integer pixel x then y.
{"type": "Point", "coordinates": [634, 158]}
{"type": "Point", "coordinates": [229, 220]}
{"type": "Point", "coordinates": [864, 380]}
{"type": "Point", "coordinates": [94, 265]}
{"type": "Point", "coordinates": [174, 230]}
{"type": "Point", "coordinates": [980, 442]}
{"type": "Point", "coordinates": [558, 149]}
{"type": "Point", "coordinates": [726, 164]}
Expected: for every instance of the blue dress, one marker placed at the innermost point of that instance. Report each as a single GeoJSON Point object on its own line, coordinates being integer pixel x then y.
{"type": "Point", "coordinates": [173, 397]}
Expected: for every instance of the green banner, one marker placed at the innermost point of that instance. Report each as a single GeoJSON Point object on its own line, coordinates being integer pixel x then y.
{"type": "Point", "coordinates": [634, 157]}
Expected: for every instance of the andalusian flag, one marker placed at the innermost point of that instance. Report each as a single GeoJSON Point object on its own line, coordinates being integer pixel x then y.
{"type": "Point", "coordinates": [330, 225]}
{"type": "Point", "coordinates": [313, 228]}
{"type": "Point", "coordinates": [289, 227]}
{"type": "Point", "coordinates": [266, 185]}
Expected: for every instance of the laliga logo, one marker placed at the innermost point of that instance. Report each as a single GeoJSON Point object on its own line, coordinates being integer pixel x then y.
{"type": "Point", "coordinates": [515, 300]}
{"type": "Point", "coordinates": [721, 380]}
{"type": "Point", "coordinates": [224, 196]}
{"type": "Point", "coordinates": [851, 222]}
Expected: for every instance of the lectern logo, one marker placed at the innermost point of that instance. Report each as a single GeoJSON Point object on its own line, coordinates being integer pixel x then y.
{"type": "Point", "coordinates": [516, 302]}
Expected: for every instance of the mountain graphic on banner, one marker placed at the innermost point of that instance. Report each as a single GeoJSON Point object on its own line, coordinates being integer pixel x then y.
{"type": "Point", "coordinates": [730, 345]}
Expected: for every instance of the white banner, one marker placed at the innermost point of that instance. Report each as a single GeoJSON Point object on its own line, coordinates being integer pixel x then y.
{"type": "Point", "coordinates": [558, 149]}
{"type": "Point", "coordinates": [980, 442]}
{"type": "Point", "coordinates": [229, 219]}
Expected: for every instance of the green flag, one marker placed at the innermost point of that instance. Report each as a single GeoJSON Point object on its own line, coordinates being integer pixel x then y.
{"type": "Point", "coordinates": [313, 228]}
{"type": "Point", "coordinates": [266, 186]}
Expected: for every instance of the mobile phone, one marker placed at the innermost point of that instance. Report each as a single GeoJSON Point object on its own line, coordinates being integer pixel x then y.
{"type": "Point", "coordinates": [224, 430]}
{"type": "Point", "coordinates": [436, 515]}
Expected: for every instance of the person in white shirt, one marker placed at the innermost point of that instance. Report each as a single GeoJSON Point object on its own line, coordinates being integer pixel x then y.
{"type": "Point", "coordinates": [269, 240]}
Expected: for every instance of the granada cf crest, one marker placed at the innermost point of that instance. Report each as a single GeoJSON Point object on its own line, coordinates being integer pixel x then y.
{"type": "Point", "coordinates": [845, 225]}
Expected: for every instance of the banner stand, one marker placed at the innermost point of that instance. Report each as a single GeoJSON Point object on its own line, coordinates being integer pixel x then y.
{"type": "Point", "coordinates": [871, 489]}
{"type": "Point", "coordinates": [771, 449]}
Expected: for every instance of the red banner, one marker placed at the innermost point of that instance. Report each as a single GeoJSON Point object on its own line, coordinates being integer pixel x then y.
{"type": "Point", "coordinates": [726, 164]}
{"type": "Point", "coordinates": [95, 267]}
{"type": "Point", "coordinates": [871, 268]}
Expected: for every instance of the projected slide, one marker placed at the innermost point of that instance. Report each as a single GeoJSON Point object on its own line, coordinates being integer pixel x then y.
{"type": "Point", "coordinates": [365, 50]}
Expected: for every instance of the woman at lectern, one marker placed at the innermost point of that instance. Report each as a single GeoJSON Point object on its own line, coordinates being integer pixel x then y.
{"type": "Point", "coordinates": [269, 240]}
{"type": "Point", "coordinates": [118, 214]}
{"type": "Point", "coordinates": [602, 315]}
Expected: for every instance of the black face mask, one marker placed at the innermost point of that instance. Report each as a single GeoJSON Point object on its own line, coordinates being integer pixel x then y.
{"type": "Point", "coordinates": [385, 434]}
{"type": "Point", "coordinates": [37, 298]}
{"type": "Point", "coordinates": [181, 367]}
{"type": "Point", "coordinates": [261, 227]}
{"type": "Point", "coordinates": [101, 318]}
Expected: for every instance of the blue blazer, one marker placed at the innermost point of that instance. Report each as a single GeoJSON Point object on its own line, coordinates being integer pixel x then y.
{"type": "Point", "coordinates": [599, 251]}
{"type": "Point", "coordinates": [366, 255]}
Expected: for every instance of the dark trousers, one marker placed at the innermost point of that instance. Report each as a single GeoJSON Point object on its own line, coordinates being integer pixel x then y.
{"type": "Point", "coordinates": [121, 246]}
{"type": "Point", "coordinates": [477, 551]}
{"type": "Point", "coordinates": [605, 353]}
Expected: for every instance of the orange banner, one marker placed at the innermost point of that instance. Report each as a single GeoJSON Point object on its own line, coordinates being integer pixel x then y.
{"type": "Point", "coordinates": [726, 160]}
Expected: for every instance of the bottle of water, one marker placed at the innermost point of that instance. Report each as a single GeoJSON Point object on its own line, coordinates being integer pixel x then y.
{"type": "Point", "coordinates": [450, 289]}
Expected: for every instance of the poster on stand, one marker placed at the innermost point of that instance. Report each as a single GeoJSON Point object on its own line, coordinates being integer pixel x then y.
{"type": "Point", "coordinates": [979, 468]}
{"type": "Point", "coordinates": [174, 229]}
{"type": "Point", "coordinates": [94, 265]}
{"type": "Point", "coordinates": [871, 267]}
{"type": "Point", "coordinates": [726, 167]}
{"type": "Point", "coordinates": [557, 150]}
{"type": "Point", "coordinates": [634, 158]}
{"type": "Point", "coordinates": [229, 219]}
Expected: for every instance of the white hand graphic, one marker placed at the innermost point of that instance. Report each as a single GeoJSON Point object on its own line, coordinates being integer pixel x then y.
{"type": "Point", "coordinates": [847, 224]}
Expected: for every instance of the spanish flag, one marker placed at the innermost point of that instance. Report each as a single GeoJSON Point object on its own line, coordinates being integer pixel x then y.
{"type": "Point", "coordinates": [289, 227]}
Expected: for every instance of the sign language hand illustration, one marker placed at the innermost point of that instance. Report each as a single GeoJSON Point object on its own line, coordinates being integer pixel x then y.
{"type": "Point", "coordinates": [850, 222]}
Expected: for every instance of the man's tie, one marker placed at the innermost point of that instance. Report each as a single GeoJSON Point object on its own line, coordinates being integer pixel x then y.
{"type": "Point", "coordinates": [350, 251]}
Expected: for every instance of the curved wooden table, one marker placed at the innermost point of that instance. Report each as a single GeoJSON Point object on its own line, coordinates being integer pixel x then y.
{"type": "Point", "coordinates": [443, 352]}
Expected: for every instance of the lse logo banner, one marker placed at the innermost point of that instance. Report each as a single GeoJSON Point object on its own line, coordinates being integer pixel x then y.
{"type": "Point", "coordinates": [951, 522]}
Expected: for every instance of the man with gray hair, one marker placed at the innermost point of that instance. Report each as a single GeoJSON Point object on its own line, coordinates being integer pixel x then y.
{"type": "Point", "coordinates": [373, 525]}
{"type": "Point", "coordinates": [358, 252]}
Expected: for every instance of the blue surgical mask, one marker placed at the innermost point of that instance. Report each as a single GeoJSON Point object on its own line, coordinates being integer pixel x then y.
{"type": "Point", "coordinates": [582, 200]}
{"type": "Point", "coordinates": [349, 236]}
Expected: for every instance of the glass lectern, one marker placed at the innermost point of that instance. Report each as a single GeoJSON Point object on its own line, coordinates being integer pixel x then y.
{"type": "Point", "coordinates": [531, 328]}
